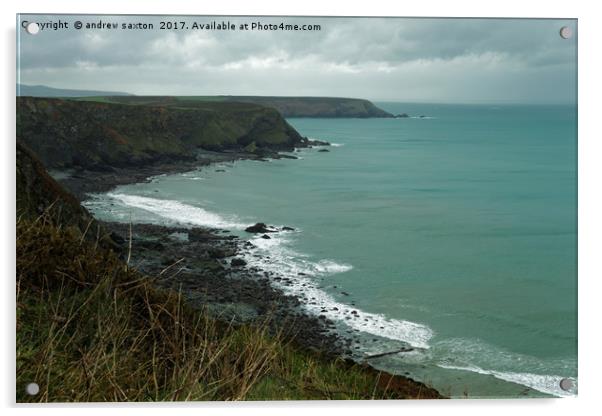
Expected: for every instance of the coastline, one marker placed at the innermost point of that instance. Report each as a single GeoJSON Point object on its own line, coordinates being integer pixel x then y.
{"type": "Point", "coordinates": [198, 262]}
{"type": "Point", "coordinates": [82, 181]}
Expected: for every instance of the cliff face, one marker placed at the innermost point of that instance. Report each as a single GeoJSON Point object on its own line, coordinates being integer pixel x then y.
{"type": "Point", "coordinates": [324, 107]}
{"type": "Point", "coordinates": [37, 191]}
{"type": "Point", "coordinates": [38, 194]}
{"type": "Point", "coordinates": [97, 135]}
{"type": "Point", "coordinates": [320, 107]}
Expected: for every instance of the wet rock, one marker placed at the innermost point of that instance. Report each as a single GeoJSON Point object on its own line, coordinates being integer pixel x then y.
{"type": "Point", "coordinates": [220, 252]}
{"type": "Point", "coordinates": [266, 237]}
{"type": "Point", "coordinates": [323, 150]}
{"type": "Point", "coordinates": [260, 227]}
{"type": "Point", "coordinates": [150, 245]}
{"type": "Point", "coordinates": [199, 234]}
{"type": "Point", "coordinates": [236, 262]}
{"type": "Point", "coordinates": [288, 229]}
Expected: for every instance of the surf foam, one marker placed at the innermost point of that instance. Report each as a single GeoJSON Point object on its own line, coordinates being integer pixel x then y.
{"type": "Point", "coordinates": [480, 357]}
{"type": "Point", "coordinates": [299, 273]}
{"type": "Point", "coordinates": [176, 211]}
{"type": "Point", "coordinates": [549, 384]}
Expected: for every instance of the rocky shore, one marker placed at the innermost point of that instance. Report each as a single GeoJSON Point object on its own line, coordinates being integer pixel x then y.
{"type": "Point", "coordinates": [67, 150]}
{"type": "Point", "coordinates": [202, 263]}
{"type": "Point", "coordinates": [205, 265]}
{"type": "Point", "coordinates": [83, 181]}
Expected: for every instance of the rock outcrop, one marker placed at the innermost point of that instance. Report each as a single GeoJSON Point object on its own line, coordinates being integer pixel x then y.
{"type": "Point", "coordinates": [38, 194]}
{"type": "Point", "coordinates": [100, 136]}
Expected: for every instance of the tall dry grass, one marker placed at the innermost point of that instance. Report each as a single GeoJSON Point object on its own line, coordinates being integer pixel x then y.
{"type": "Point", "coordinates": [91, 329]}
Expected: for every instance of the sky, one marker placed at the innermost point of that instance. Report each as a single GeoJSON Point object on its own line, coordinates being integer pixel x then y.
{"type": "Point", "coordinates": [381, 59]}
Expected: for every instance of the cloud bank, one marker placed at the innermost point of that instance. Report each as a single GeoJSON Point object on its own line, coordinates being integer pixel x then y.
{"type": "Point", "coordinates": [383, 59]}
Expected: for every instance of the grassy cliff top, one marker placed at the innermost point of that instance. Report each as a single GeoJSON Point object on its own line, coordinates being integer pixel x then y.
{"type": "Point", "coordinates": [320, 107]}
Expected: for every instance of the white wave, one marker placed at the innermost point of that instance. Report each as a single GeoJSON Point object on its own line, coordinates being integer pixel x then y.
{"type": "Point", "coordinates": [478, 356]}
{"type": "Point", "coordinates": [549, 384]}
{"type": "Point", "coordinates": [337, 144]}
{"type": "Point", "coordinates": [193, 176]}
{"type": "Point", "coordinates": [278, 258]}
{"type": "Point", "coordinates": [176, 211]}
{"type": "Point", "coordinates": [331, 267]}
{"type": "Point", "coordinates": [157, 178]}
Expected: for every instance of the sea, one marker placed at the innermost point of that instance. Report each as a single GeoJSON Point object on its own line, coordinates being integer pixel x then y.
{"type": "Point", "coordinates": [450, 235]}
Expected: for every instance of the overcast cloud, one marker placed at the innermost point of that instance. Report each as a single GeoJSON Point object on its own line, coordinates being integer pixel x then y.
{"type": "Point", "coordinates": [382, 59]}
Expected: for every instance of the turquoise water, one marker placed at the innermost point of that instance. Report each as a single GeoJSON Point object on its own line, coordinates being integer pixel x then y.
{"type": "Point", "coordinates": [454, 234]}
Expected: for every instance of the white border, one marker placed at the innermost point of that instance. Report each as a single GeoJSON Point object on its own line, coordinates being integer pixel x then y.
{"type": "Point", "coordinates": [590, 206]}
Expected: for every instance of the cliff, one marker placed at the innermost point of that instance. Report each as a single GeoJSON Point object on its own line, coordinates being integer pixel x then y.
{"type": "Point", "coordinates": [318, 107]}
{"type": "Point", "coordinates": [40, 196]}
{"type": "Point", "coordinates": [101, 135]}
{"type": "Point", "coordinates": [322, 107]}
{"type": "Point", "coordinates": [37, 191]}
{"type": "Point", "coordinates": [114, 329]}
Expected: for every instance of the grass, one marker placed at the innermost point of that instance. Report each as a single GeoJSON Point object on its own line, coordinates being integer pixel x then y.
{"type": "Point", "coordinates": [91, 329]}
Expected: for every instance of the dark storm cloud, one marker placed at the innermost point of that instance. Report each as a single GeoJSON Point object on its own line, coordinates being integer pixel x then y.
{"type": "Point", "coordinates": [459, 60]}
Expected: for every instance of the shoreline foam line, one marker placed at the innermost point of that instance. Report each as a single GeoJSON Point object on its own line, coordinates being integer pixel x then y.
{"type": "Point", "coordinates": [302, 273]}
{"type": "Point", "coordinates": [301, 282]}
{"type": "Point", "coordinates": [177, 211]}
{"type": "Point", "coordinates": [549, 384]}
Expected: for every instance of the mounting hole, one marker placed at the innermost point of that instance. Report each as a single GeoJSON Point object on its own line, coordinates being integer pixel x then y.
{"type": "Point", "coordinates": [32, 389]}
{"type": "Point", "coordinates": [566, 384]}
{"type": "Point", "coordinates": [566, 32]}
{"type": "Point", "coordinates": [32, 28]}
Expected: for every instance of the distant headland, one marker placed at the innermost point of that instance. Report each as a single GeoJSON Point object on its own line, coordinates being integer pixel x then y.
{"type": "Point", "coordinates": [322, 107]}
